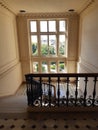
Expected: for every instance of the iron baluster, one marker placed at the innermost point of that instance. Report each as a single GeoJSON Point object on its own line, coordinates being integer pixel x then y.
{"type": "Point", "coordinates": [44, 88]}
{"type": "Point", "coordinates": [58, 91]}
{"type": "Point", "coordinates": [28, 94]}
{"type": "Point", "coordinates": [76, 92]}
{"type": "Point", "coordinates": [49, 92]}
{"type": "Point", "coordinates": [31, 90]}
{"type": "Point", "coordinates": [94, 91]}
{"type": "Point", "coordinates": [67, 92]}
{"type": "Point", "coordinates": [85, 90]}
{"type": "Point", "coordinates": [41, 91]}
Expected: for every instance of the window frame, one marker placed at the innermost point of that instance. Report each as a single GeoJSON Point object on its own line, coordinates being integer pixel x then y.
{"type": "Point", "coordinates": [58, 57]}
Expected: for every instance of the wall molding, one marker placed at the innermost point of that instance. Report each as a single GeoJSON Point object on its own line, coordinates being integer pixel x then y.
{"type": "Point", "coordinates": [6, 6]}
{"type": "Point", "coordinates": [86, 6]}
{"type": "Point", "coordinates": [10, 80]}
{"type": "Point", "coordinates": [7, 68]}
{"type": "Point", "coordinates": [88, 67]}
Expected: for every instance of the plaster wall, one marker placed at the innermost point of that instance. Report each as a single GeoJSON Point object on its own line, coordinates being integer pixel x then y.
{"type": "Point", "coordinates": [10, 66]}
{"type": "Point", "coordinates": [88, 44]}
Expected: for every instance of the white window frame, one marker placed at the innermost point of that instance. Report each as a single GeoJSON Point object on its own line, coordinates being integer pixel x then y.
{"type": "Point", "coordinates": [57, 58]}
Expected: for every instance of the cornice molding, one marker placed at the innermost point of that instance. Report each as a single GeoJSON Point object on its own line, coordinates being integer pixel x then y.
{"type": "Point", "coordinates": [5, 6]}
{"type": "Point", "coordinates": [86, 6]}
{"type": "Point", "coordinates": [48, 15]}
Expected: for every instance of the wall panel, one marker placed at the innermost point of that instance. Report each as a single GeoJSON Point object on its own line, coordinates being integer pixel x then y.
{"type": "Point", "coordinates": [10, 66]}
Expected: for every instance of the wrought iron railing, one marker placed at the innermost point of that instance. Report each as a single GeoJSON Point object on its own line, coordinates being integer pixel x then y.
{"type": "Point", "coordinates": [56, 90]}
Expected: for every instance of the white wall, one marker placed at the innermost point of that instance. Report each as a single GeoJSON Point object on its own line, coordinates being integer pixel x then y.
{"type": "Point", "coordinates": [88, 52]}
{"type": "Point", "coordinates": [89, 39]}
{"type": "Point", "coordinates": [10, 67]}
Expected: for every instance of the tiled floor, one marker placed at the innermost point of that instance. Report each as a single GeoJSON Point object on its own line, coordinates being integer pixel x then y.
{"type": "Point", "coordinates": [49, 121]}
{"type": "Point", "coordinates": [14, 116]}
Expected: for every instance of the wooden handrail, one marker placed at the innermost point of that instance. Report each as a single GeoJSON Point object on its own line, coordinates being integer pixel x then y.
{"type": "Point", "coordinates": [62, 74]}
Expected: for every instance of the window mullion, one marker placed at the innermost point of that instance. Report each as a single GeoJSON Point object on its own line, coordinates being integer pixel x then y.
{"type": "Point", "coordinates": [48, 66]}
{"type": "Point", "coordinates": [39, 46]}
{"type": "Point", "coordinates": [48, 38]}
{"type": "Point", "coordinates": [38, 35]}
{"type": "Point", "coordinates": [40, 65]}
{"type": "Point", "coordinates": [57, 36]}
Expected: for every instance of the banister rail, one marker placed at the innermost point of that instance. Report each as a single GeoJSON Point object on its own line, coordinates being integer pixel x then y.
{"type": "Point", "coordinates": [63, 74]}
{"type": "Point", "coordinates": [62, 89]}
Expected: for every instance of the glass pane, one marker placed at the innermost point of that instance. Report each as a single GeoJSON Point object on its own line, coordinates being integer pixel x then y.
{"type": "Point", "coordinates": [62, 26]}
{"type": "Point", "coordinates": [52, 26]}
{"type": "Point", "coordinates": [34, 44]}
{"type": "Point", "coordinates": [44, 45]}
{"type": "Point", "coordinates": [62, 44]}
{"type": "Point", "coordinates": [61, 66]}
{"type": "Point", "coordinates": [44, 67]}
{"type": "Point", "coordinates": [43, 26]}
{"type": "Point", "coordinates": [52, 44]}
{"type": "Point", "coordinates": [33, 26]}
{"type": "Point", "coordinates": [53, 67]}
{"type": "Point", "coordinates": [35, 66]}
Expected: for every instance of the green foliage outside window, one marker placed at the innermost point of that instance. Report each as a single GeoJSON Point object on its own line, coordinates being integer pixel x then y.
{"type": "Point", "coordinates": [62, 65]}
{"type": "Point", "coordinates": [53, 67]}
{"type": "Point", "coordinates": [44, 49]}
{"type": "Point", "coordinates": [43, 69]}
{"type": "Point", "coordinates": [34, 49]}
{"type": "Point", "coordinates": [62, 49]}
{"type": "Point", "coordinates": [51, 50]}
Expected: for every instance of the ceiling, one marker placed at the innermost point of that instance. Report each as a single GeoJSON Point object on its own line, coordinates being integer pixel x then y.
{"type": "Point", "coordinates": [42, 6]}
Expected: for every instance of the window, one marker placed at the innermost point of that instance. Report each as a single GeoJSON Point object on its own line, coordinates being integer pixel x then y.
{"type": "Point", "coordinates": [48, 45]}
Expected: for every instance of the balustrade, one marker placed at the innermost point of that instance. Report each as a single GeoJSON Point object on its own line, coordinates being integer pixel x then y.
{"type": "Point", "coordinates": [56, 90]}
